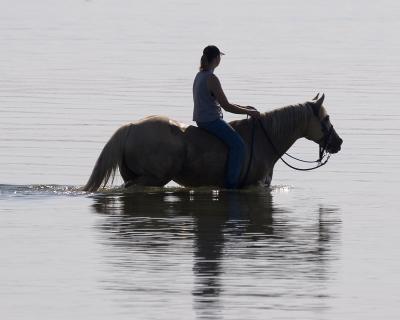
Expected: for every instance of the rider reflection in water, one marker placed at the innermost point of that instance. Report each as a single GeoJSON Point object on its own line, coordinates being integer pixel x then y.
{"type": "Point", "coordinates": [208, 98]}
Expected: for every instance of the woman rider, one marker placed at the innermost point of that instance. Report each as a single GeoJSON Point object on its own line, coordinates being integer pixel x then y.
{"type": "Point", "coordinates": [208, 98]}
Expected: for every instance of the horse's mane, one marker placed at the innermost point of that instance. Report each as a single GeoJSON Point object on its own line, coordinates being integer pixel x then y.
{"type": "Point", "coordinates": [287, 118]}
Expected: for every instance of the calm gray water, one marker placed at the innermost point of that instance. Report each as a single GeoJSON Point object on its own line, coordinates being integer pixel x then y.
{"type": "Point", "coordinates": [317, 245]}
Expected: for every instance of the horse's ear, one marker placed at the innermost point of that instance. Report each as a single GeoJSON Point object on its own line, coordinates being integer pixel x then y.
{"type": "Point", "coordinates": [315, 108]}
{"type": "Point", "coordinates": [316, 97]}
{"type": "Point", "coordinates": [320, 100]}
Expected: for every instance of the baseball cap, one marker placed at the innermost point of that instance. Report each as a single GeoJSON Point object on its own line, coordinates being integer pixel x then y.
{"type": "Point", "coordinates": [211, 52]}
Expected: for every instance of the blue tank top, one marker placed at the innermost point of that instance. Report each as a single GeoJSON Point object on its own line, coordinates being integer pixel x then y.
{"type": "Point", "coordinates": [205, 106]}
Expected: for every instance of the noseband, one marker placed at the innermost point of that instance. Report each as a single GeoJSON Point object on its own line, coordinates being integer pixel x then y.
{"type": "Point", "coordinates": [323, 143]}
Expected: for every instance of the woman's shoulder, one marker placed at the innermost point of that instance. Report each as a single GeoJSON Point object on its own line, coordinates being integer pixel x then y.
{"type": "Point", "coordinates": [213, 78]}
{"type": "Point", "coordinates": [206, 75]}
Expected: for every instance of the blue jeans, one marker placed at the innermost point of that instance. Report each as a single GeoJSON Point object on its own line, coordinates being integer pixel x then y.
{"type": "Point", "coordinates": [236, 145]}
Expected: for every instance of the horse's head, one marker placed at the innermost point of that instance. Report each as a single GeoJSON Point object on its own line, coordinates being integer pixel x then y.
{"type": "Point", "coordinates": [320, 128]}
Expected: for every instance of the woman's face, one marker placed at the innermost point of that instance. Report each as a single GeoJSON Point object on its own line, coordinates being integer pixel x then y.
{"type": "Point", "coordinates": [216, 61]}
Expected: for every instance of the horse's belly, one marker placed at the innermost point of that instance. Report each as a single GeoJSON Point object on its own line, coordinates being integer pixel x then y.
{"type": "Point", "coordinates": [205, 159]}
{"type": "Point", "coordinates": [200, 171]}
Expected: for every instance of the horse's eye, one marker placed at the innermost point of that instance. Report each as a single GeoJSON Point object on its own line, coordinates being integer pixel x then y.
{"type": "Point", "coordinates": [326, 124]}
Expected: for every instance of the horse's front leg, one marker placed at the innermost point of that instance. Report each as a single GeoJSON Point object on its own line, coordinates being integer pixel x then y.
{"type": "Point", "coordinates": [268, 178]}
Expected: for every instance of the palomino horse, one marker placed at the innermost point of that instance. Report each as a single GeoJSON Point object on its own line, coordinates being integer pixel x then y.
{"type": "Point", "coordinates": [156, 150]}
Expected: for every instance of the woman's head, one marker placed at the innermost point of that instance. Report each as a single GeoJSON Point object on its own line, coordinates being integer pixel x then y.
{"type": "Point", "coordinates": [210, 58]}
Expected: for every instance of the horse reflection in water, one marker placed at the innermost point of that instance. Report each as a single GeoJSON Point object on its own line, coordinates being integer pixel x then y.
{"type": "Point", "coordinates": [220, 226]}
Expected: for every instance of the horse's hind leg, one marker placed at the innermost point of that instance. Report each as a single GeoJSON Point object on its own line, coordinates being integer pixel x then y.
{"type": "Point", "coordinates": [147, 181]}
{"type": "Point", "coordinates": [126, 173]}
{"type": "Point", "coordinates": [131, 178]}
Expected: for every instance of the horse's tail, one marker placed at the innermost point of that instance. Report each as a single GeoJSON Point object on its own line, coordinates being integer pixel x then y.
{"type": "Point", "coordinates": [110, 158]}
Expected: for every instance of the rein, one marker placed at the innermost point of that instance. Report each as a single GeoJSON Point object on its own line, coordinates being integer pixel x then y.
{"type": "Point", "coordinates": [322, 152]}
{"type": "Point", "coordinates": [253, 130]}
{"type": "Point", "coordinates": [320, 161]}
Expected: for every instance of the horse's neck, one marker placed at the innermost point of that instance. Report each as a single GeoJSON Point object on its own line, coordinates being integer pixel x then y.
{"type": "Point", "coordinates": [284, 127]}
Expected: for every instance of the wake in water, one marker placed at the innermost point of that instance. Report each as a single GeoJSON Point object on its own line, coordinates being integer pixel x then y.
{"type": "Point", "coordinates": [39, 189]}
{"type": "Point", "coordinates": [9, 190]}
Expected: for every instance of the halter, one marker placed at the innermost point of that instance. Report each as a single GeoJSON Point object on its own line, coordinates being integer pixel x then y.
{"type": "Point", "coordinates": [323, 143]}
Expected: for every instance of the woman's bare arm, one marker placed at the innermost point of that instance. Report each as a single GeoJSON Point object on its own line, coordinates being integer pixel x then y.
{"type": "Point", "coordinates": [214, 86]}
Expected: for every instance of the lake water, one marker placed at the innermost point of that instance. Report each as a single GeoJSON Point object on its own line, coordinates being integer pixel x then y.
{"type": "Point", "coordinates": [317, 245]}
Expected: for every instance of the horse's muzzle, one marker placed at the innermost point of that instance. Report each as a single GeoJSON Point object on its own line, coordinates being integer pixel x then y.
{"type": "Point", "coordinates": [335, 146]}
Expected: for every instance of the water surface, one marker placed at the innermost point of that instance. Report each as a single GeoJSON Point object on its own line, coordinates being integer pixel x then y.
{"type": "Point", "coordinates": [317, 245]}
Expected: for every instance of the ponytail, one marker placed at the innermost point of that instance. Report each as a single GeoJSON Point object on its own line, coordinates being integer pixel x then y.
{"type": "Point", "coordinates": [204, 63]}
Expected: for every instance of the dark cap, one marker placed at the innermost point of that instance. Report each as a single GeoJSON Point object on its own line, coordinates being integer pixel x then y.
{"type": "Point", "coordinates": [211, 52]}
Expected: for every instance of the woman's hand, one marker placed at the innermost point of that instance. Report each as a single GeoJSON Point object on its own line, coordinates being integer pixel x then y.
{"type": "Point", "coordinates": [251, 111]}
{"type": "Point", "coordinates": [254, 113]}
{"type": "Point", "coordinates": [250, 108]}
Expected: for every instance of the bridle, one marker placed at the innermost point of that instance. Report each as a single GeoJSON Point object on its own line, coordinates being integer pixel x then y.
{"type": "Point", "coordinates": [323, 143]}
{"type": "Point", "coordinates": [324, 155]}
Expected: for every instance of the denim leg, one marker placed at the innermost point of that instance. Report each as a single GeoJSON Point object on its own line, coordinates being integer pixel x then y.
{"type": "Point", "coordinates": [237, 148]}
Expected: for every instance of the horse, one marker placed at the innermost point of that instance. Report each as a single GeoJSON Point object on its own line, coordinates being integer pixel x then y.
{"type": "Point", "coordinates": [156, 149]}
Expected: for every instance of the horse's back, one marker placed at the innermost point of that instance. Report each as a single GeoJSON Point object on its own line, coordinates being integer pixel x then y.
{"type": "Point", "coordinates": [157, 129]}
